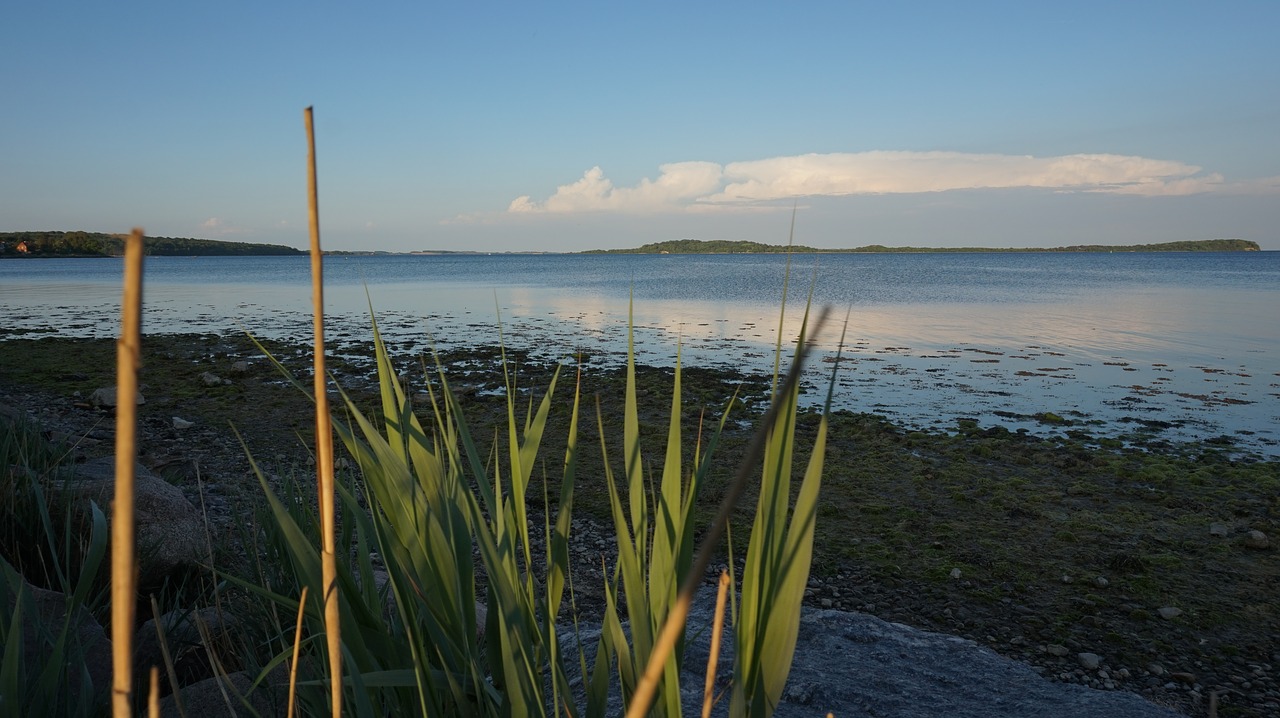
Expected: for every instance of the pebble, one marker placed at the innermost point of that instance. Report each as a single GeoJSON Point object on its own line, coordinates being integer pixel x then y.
{"type": "Point", "coordinates": [210, 379]}
{"type": "Point", "coordinates": [1256, 540]}
{"type": "Point", "coordinates": [1054, 649]}
{"type": "Point", "coordinates": [1217, 529]}
{"type": "Point", "coordinates": [1170, 612]}
{"type": "Point", "coordinates": [1090, 661]}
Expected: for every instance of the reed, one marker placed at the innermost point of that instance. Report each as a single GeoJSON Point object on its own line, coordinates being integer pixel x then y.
{"type": "Point", "coordinates": [123, 561]}
{"type": "Point", "coordinates": [324, 435]}
{"type": "Point", "coordinates": [713, 655]}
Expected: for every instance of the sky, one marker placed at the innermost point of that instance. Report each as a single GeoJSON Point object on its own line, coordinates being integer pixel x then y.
{"type": "Point", "coordinates": [557, 126]}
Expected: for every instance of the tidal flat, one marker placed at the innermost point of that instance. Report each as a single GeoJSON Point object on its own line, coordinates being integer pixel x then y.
{"type": "Point", "coordinates": [1039, 545]}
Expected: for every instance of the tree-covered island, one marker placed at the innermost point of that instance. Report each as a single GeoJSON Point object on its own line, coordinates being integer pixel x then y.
{"type": "Point", "coordinates": [726, 246]}
{"type": "Point", "coordinates": [100, 244]}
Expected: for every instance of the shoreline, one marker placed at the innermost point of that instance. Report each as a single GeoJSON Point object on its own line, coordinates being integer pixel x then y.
{"type": "Point", "coordinates": [1107, 402]}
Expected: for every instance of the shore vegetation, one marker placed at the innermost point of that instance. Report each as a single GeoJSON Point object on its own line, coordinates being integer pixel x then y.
{"type": "Point", "coordinates": [100, 244]}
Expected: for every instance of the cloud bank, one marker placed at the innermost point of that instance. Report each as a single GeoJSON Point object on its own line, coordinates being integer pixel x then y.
{"type": "Point", "coordinates": [707, 186]}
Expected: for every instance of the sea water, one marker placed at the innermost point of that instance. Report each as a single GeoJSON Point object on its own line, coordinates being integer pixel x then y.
{"type": "Point", "coordinates": [1188, 341]}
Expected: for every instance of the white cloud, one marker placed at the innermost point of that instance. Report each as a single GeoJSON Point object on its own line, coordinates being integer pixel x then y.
{"type": "Point", "coordinates": [707, 186]}
{"type": "Point", "coordinates": [677, 184]}
{"type": "Point", "coordinates": [914, 172]}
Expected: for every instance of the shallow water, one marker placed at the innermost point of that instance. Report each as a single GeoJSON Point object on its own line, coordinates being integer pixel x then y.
{"type": "Point", "coordinates": [1189, 340]}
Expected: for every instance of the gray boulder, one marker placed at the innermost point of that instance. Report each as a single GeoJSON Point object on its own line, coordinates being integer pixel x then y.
{"type": "Point", "coordinates": [186, 645]}
{"type": "Point", "coordinates": [853, 664]}
{"type": "Point", "coordinates": [87, 652]}
{"type": "Point", "coordinates": [170, 531]}
{"type": "Point", "coordinates": [227, 696]}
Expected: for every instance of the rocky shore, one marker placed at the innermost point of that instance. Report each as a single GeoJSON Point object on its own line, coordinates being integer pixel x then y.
{"type": "Point", "coordinates": [1148, 569]}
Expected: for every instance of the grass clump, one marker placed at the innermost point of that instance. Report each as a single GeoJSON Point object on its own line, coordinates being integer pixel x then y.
{"type": "Point", "coordinates": [44, 669]}
{"type": "Point", "coordinates": [434, 527]}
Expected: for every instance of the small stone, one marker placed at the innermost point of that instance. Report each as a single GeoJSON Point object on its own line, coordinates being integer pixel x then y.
{"type": "Point", "coordinates": [827, 603]}
{"type": "Point", "coordinates": [1256, 540]}
{"type": "Point", "coordinates": [1170, 612]}
{"type": "Point", "coordinates": [1155, 669]}
{"type": "Point", "coordinates": [955, 573]}
{"type": "Point", "coordinates": [211, 379]}
{"type": "Point", "coordinates": [1187, 678]}
{"type": "Point", "coordinates": [1067, 579]}
{"type": "Point", "coordinates": [179, 423]}
{"type": "Point", "coordinates": [106, 397]}
{"type": "Point", "coordinates": [240, 367]}
{"type": "Point", "coordinates": [1101, 581]}
{"type": "Point", "coordinates": [1219, 530]}
{"type": "Point", "coordinates": [1089, 661]}
{"type": "Point", "coordinates": [1054, 649]}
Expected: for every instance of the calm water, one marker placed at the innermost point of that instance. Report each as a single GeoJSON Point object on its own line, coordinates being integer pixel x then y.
{"type": "Point", "coordinates": [1190, 339]}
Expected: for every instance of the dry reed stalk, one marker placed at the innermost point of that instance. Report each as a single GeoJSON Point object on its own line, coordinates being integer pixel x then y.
{"type": "Point", "coordinates": [123, 562]}
{"type": "Point", "coordinates": [153, 697]}
{"type": "Point", "coordinates": [679, 612]}
{"type": "Point", "coordinates": [297, 644]}
{"type": "Point", "coordinates": [713, 658]}
{"type": "Point", "coordinates": [324, 438]}
{"type": "Point", "coordinates": [167, 658]}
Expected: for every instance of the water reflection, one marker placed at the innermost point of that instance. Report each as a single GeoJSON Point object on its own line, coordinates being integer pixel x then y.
{"type": "Point", "coordinates": [1115, 343]}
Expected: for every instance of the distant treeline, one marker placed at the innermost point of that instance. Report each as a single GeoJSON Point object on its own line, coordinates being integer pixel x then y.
{"type": "Point", "coordinates": [725, 246]}
{"type": "Point", "coordinates": [99, 244]}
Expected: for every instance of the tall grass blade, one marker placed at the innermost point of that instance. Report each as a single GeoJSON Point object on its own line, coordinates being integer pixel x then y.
{"type": "Point", "coordinates": [297, 646]}
{"type": "Point", "coordinates": [779, 556]}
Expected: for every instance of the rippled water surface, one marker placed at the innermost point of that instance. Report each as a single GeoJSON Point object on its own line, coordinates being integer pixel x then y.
{"type": "Point", "coordinates": [1191, 340]}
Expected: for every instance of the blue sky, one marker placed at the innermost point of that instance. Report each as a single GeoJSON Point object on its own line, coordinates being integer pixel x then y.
{"type": "Point", "coordinates": [568, 126]}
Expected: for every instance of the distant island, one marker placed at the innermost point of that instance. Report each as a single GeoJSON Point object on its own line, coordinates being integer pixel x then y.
{"type": "Point", "coordinates": [99, 244]}
{"type": "Point", "coordinates": [725, 246]}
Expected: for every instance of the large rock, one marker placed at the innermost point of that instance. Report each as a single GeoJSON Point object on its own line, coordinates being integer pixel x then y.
{"type": "Point", "coordinates": [853, 664]}
{"type": "Point", "coordinates": [170, 531]}
{"type": "Point", "coordinates": [87, 652]}
{"type": "Point", "coordinates": [207, 698]}
{"type": "Point", "coordinates": [186, 645]}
